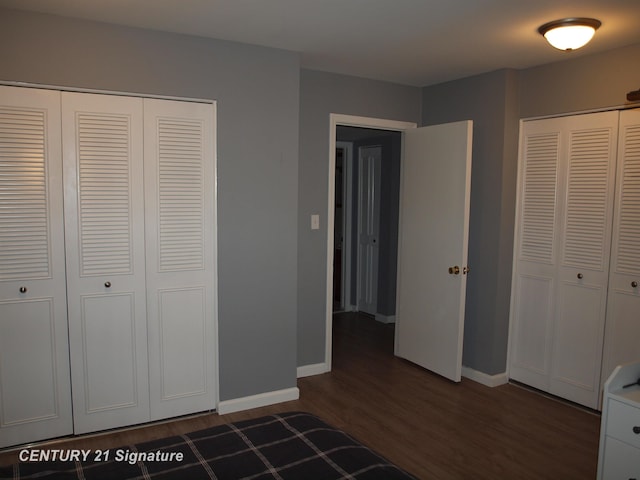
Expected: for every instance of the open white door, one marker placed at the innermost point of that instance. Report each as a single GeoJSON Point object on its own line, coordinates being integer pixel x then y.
{"type": "Point", "coordinates": [432, 255]}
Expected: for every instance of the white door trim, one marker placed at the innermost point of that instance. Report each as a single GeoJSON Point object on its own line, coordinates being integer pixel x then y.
{"type": "Point", "coordinates": [336, 119]}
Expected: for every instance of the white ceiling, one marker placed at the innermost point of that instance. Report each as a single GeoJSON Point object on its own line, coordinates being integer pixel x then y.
{"type": "Point", "coordinates": [413, 42]}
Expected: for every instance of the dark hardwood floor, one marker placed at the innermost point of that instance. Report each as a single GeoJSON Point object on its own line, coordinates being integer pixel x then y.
{"type": "Point", "coordinates": [431, 427]}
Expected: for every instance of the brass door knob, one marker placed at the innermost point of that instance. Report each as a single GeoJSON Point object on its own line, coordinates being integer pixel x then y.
{"type": "Point", "coordinates": [455, 270]}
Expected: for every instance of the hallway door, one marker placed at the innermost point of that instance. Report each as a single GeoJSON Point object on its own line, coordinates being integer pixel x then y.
{"type": "Point", "coordinates": [368, 227]}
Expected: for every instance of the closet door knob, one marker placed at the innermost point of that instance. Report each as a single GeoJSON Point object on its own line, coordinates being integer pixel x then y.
{"type": "Point", "coordinates": [23, 289]}
{"type": "Point", "coordinates": [580, 276]}
{"type": "Point", "coordinates": [634, 284]}
{"type": "Point", "coordinates": [107, 284]}
{"type": "Point", "coordinates": [636, 430]}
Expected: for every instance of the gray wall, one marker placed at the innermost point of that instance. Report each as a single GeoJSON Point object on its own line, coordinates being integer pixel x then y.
{"type": "Point", "coordinates": [590, 82]}
{"type": "Point", "coordinates": [257, 94]}
{"type": "Point", "coordinates": [496, 101]}
{"type": "Point", "coordinates": [322, 94]}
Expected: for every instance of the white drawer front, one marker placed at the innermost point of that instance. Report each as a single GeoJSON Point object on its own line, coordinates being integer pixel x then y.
{"type": "Point", "coordinates": [622, 420]}
{"type": "Point", "coordinates": [621, 461]}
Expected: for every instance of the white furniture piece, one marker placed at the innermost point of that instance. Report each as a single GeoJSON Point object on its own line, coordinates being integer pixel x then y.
{"type": "Point", "coordinates": [619, 454]}
{"type": "Point", "coordinates": [107, 305]}
{"type": "Point", "coordinates": [576, 253]}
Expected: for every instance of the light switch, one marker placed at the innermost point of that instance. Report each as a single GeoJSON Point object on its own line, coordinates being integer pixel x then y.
{"type": "Point", "coordinates": [315, 222]}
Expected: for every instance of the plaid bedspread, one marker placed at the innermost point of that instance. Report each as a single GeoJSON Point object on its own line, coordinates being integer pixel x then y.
{"type": "Point", "coordinates": [296, 446]}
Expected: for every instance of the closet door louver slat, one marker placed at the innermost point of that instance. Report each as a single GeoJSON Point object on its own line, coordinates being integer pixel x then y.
{"type": "Point", "coordinates": [104, 193]}
{"type": "Point", "coordinates": [628, 251]}
{"type": "Point", "coordinates": [539, 198]}
{"type": "Point", "coordinates": [589, 188]}
{"type": "Point", "coordinates": [24, 212]}
{"type": "Point", "coordinates": [181, 194]}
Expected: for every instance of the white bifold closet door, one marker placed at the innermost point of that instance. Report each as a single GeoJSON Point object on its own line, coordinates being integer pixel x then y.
{"type": "Point", "coordinates": [105, 251]}
{"type": "Point", "coordinates": [35, 392]}
{"type": "Point", "coordinates": [181, 281]}
{"type": "Point", "coordinates": [140, 207]}
{"type": "Point", "coordinates": [107, 261]}
{"type": "Point", "coordinates": [583, 270]}
{"type": "Point", "coordinates": [622, 335]}
{"type": "Point", "coordinates": [561, 262]}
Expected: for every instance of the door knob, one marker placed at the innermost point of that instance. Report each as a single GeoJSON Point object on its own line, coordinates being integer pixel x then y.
{"type": "Point", "coordinates": [23, 289]}
{"type": "Point", "coordinates": [466, 270]}
{"type": "Point", "coordinates": [580, 276]}
{"type": "Point", "coordinates": [455, 270]}
{"type": "Point", "coordinates": [634, 284]}
{"type": "Point", "coordinates": [107, 284]}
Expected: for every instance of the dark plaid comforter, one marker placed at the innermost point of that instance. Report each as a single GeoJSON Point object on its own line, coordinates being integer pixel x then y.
{"type": "Point", "coordinates": [285, 446]}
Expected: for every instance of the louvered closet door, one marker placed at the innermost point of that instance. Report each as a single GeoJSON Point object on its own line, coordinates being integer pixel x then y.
{"type": "Point", "coordinates": [585, 230]}
{"type": "Point", "coordinates": [104, 218]}
{"type": "Point", "coordinates": [35, 399]}
{"type": "Point", "coordinates": [180, 209]}
{"type": "Point", "coordinates": [622, 337]}
{"type": "Point", "coordinates": [536, 252]}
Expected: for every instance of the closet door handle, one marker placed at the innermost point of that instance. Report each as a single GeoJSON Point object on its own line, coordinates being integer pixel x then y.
{"type": "Point", "coordinates": [23, 289]}
{"type": "Point", "coordinates": [580, 276]}
{"type": "Point", "coordinates": [636, 430]}
{"type": "Point", "coordinates": [634, 284]}
{"type": "Point", "coordinates": [107, 284]}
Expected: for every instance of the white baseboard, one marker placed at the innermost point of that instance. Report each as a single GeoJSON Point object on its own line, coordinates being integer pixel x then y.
{"type": "Point", "coordinates": [485, 379]}
{"type": "Point", "coordinates": [385, 318]}
{"type": "Point", "coordinates": [315, 369]}
{"type": "Point", "coordinates": [260, 400]}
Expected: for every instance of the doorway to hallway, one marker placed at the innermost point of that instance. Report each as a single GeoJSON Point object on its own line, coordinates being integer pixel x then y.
{"type": "Point", "coordinates": [366, 209]}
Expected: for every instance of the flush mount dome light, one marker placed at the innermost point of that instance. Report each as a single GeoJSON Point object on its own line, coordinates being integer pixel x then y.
{"type": "Point", "coordinates": [569, 33]}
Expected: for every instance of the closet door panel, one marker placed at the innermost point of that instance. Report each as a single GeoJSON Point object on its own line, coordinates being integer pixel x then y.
{"type": "Point", "coordinates": [104, 218]}
{"type": "Point", "coordinates": [584, 262]}
{"type": "Point", "coordinates": [532, 333]}
{"type": "Point", "coordinates": [623, 317]}
{"type": "Point", "coordinates": [577, 350]}
{"type": "Point", "coordinates": [35, 398]}
{"type": "Point", "coordinates": [182, 343]}
{"type": "Point", "coordinates": [180, 209]}
{"type": "Point", "coordinates": [535, 256]}
{"type": "Point", "coordinates": [109, 320]}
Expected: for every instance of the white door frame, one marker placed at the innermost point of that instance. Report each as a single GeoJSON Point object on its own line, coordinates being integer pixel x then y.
{"type": "Point", "coordinates": [336, 119]}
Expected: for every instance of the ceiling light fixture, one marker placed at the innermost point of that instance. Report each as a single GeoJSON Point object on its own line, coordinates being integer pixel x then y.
{"type": "Point", "coordinates": [569, 33]}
